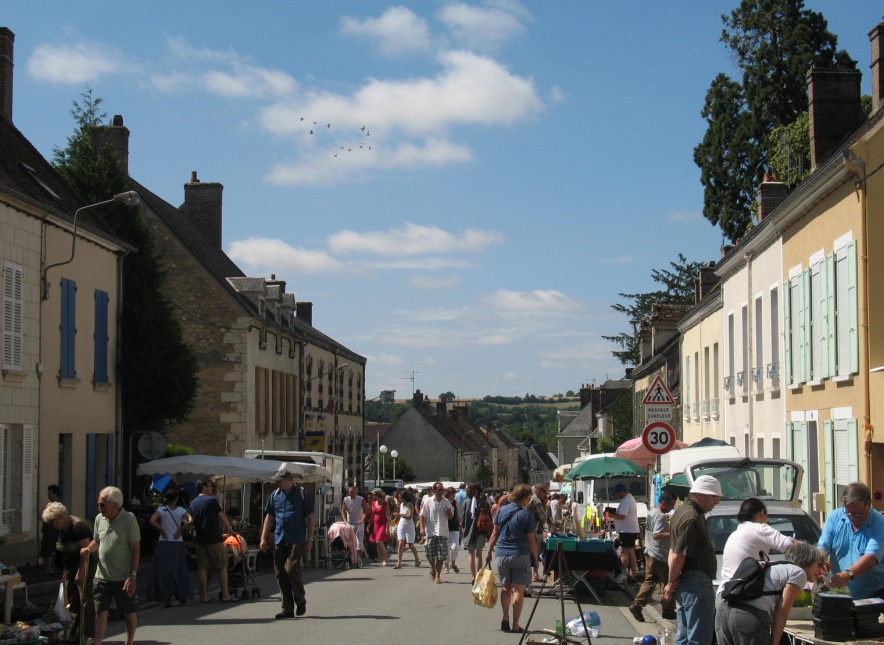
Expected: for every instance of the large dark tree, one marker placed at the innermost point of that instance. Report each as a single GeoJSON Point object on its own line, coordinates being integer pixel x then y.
{"type": "Point", "coordinates": [773, 43]}
{"type": "Point", "coordinates": [157, 368]}
{"type": "Point", "coordinates": [677, 288]}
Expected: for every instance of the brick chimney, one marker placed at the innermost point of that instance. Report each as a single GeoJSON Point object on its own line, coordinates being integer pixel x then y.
{"type": "Point", "coordinates": [704, 282]}
{"type": "Point", "coordinates": [304, 312]}
{"type": "Point", "coordinates": [876, 36]}
{"type": "Point", "coordinates": [117, 137]}
{"type": "Point", "coordinates": [202, 204]}
{"type": "Point", "coordinates": [441, 408]}
{"type": "Point", "coordinates": [771, 193]}
{"type": "Point", "coordinates": [833, 94]}
{"type": "Point", "coordinates": [7, 38]}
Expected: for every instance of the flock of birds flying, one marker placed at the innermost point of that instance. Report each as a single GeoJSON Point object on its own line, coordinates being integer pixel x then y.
{"type": "Point", "coordinates": [361, 145]}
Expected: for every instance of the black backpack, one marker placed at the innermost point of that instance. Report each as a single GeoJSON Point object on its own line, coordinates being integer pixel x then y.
{"type": "Point", "coordinates": [748, 580]}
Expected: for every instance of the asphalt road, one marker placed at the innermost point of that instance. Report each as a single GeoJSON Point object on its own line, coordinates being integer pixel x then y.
{"type": "Point", "coordinates": [368, 605]}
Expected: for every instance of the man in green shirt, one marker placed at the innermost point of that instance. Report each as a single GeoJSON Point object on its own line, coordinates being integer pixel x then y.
{"type": "Point", "coordinates": [117, 540]}
{"type": "Point", "coordinates": [692, 565]}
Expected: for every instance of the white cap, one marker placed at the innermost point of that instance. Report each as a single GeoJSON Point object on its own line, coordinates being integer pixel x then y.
{"type": "Point", "coordinates": [706, 485]}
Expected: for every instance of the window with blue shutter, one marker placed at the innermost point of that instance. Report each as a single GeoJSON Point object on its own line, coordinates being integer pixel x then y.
{"type": "Point", "coordinates": [68, 327]}
{"type": "Point", "coordinates": [99, 374]}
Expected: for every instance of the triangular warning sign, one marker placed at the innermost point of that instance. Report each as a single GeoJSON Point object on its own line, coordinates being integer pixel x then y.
{"type": "Point", "coordinates": [658, 393]}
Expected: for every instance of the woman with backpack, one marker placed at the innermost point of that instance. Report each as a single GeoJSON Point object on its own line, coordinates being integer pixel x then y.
{"type": "Point", "coordinates": [479, 523]}
{"type": "Point", "coordinates": [760, 620]}
{"type": "Point", "coordinates": [753, 534]}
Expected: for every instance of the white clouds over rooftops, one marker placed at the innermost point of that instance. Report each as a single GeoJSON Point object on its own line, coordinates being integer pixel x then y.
{"type": "Point", "coordinates": [266, 255]}
{"type": "Point", "coordinates": [412, 239]}
{"type": "Point", "coordinates": [76, 63]}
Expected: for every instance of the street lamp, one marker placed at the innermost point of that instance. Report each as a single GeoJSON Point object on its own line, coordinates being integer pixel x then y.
{"type": "Point", "coordinates": [129, 198]}
{"type": "Point", "coordinates": [394, 454]}
{"type": "Point", "coordinates": [383, 450]}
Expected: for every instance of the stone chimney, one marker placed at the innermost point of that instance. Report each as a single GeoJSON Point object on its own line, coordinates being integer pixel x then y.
{"type": "Point", "coordinates": [202, 204]}
{"type": "Point", "coordinates": [833, 94]}
{"type": "Point", "coordinates": [417, 399]}
{"type": "Point", "coordinates": [876, 36]}
{"type": "Point", "coordinates": [586, 394]}
{"type": "Point", "coordinates": [771, 193]}
{"type": "Point", "coordinates": [441, 408]}
{"type": "Point", "coordinates": [7, 38]}
{"type": "Point", "coordinates": [117, 137]}
{"type": "Point", "coordinates": [304, 312]}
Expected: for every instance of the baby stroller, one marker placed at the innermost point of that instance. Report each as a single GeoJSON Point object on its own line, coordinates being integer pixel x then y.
{"type": "Point", "coordinates": [240, 568]}
{"type": "Point", "coordinates": [341, 547]}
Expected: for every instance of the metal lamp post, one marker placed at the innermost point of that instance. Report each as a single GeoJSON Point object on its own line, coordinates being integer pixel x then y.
{"type": "Point", "coordinates": [394, 454]}
{"type": "Point", "coordinates": [383, 450]}
{"type": "Point", "coordinates": [129, 198]}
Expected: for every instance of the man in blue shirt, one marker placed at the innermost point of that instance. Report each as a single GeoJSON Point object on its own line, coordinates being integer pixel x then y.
{"type": "Point", "coordinates": [289, 514]}
{"type": "Point", "coordinates": [854, 537]}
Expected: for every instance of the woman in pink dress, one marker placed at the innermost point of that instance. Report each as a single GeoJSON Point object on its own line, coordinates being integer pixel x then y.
{"type": "Point", "coordinates": [380, 532]}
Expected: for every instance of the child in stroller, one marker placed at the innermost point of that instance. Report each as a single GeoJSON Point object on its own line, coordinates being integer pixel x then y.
{"type": "Point", "coordinates": [240, 568]}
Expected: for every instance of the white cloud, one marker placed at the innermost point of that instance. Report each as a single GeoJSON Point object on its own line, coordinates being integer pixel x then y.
{"type": "Point", "coordinates": [532, 301]}
{"type": "Point", "coordinates": [483, 27]}
{"type": "Point", "coordinates": [223, 73]}
{"type": "Point", "coordinates": [471, 89]}
{"type": "Point", "coordinates": [385, 359]}
{"type": "Point", "coordinates": [77, 63]}
{"type": "Point", "coordinates": [434, 282]}
{"type": "Point", "coordinates": [398, 31]}
{"type": "Point", "coordinates": [684, 216]}
{"type": "Point", "coordinates": [412, 239]}
{"type": "Point", "coordinates": [248, 81]}
{"type": "Point", "coordinates": [266, 255]}
{"type": "Point", "coordinates": [557, 94]}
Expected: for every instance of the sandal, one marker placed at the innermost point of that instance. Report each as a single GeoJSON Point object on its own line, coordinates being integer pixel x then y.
{"type": "Point", "coordinates": [417, 563]}
{"type": "Point", "coordinates": [456, 570]}
{"type": "Point", "coordinates": [516, 630]}
{"type": "Point", "coordinates": [397, 566]}
{"type": "Point", "coordinates": [504, 625]}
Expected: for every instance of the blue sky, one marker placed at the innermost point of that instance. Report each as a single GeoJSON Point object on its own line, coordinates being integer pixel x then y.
{"type": "Point", "coordinates": [520, 163]}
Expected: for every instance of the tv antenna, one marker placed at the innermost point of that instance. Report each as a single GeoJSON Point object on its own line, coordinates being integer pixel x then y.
{"type": "Point", "coordinates": [410, 378]}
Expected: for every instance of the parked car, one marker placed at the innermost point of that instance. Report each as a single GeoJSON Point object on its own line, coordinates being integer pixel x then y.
{"type": "Point", "coordinates": [774, 481]}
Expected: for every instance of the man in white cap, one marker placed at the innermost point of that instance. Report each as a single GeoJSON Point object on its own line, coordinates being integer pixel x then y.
{"type": "Point", "coordinates": [692, 565]}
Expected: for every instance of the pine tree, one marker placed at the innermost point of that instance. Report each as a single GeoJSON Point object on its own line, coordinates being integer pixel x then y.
{"type": "Point", "coordinates": [678, 289]}
{"type": "Point", "coordinates": [157, 368]}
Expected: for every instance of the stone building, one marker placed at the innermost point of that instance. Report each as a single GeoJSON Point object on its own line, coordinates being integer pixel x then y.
{"type": "Point", "coordinates": [267, 378]}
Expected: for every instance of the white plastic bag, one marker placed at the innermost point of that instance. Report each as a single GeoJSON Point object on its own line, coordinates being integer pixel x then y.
{"type": "Point", "coordinates": [61, 606]}
{"type": "Point", "coordinates": [593, 623]}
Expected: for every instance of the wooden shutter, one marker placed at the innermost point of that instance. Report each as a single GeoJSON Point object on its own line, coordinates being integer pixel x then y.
{"type": "Point", "coordinates": [852, 451]}
{"type": "Point", "coordinates": [806, 340]}
{"type": "Point", "coordinates": [787, 334]}
{"type": "Point", "coordinates": [68, 327]}
{"type": "Point", "coordinates": [101, 338]}
{"type": "Point", "coordinates": [13, 312]}
{"type": "Point", "coordinates": [852, 304]}
{"type": "Point", "coordinates": [829, 463]}
{"type": "Point", "coordinates": [27, 478]}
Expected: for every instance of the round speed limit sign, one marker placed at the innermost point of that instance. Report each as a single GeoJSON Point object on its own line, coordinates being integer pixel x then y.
{"type": "Point", "coordinates": [658, 437]}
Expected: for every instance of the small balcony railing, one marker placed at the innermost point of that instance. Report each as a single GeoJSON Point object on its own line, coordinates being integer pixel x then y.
{"type": "Point", "coordinates": [695, 409]}
{"type": "Point", "coordinates": [704, 410]}
{"type": "Point", "coordinates": [713, 409]}
{"type": "Point", "coordinates": [729, 385]}
{"type": "Point", "coordinates": [773, 375]}
{"type": "Point", "coordinates": [743, 382]}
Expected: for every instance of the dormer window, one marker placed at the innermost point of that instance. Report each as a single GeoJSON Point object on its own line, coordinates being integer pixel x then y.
{"type": "Point", "coordinates": [39, 181]}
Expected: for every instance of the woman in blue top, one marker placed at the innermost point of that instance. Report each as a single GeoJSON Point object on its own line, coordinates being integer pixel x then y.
{"type": "Point", "coordinates": [516, 553]}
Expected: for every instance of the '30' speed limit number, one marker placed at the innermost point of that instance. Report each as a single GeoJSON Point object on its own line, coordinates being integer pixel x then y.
{"type": "Point", "coordinates": [658, 437]}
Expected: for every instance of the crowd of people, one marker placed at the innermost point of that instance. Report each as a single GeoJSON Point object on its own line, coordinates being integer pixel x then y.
{"type": "Point", "coordinates": [99, 564]}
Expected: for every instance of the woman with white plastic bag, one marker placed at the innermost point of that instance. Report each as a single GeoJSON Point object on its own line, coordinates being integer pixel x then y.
{"type": "Point", "coordinates": [516, 546]}
{"type": "Point", "coordinates": [75, 591]}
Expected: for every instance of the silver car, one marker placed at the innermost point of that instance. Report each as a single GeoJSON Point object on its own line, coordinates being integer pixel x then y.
{"type": "Point", "coordinates": [774, 481]}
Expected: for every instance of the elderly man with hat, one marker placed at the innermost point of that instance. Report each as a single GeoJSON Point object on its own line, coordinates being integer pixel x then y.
{"type": "Point", "coordinates": [692, 564]}
{"type": "Point", "coordinates": [289, 515]}
{"type": "Point", "coordinates": [626, 523]}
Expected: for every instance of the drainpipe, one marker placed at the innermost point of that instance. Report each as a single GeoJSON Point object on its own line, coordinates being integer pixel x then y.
{"type": "Point", "coordinates": [750, 353]}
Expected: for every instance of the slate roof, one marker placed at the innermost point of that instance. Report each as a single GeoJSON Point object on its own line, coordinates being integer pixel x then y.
{"type": "Point", "coordinates": [26, 175]}
{"type": "Point", "coordinates": [219, 265]}
{"type": "Point", "coordinates": [582, 424]}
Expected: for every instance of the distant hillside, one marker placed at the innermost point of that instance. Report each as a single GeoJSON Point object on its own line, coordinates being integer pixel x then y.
{"type": "Point", "coordinates": [530, 421]}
